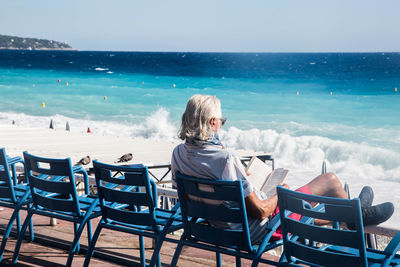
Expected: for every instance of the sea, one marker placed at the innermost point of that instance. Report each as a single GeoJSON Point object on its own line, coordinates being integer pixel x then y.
{"type": "Point", "coordinates": [305, 108]}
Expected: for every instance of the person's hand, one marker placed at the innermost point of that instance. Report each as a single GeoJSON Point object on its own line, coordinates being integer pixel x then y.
{"type": "Point", "coordinates": [248, 173]}
{"type": "Point", "coordinates": [285, 186]}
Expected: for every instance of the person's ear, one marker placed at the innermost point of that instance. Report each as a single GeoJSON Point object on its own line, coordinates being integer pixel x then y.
{"type": "Point", "coordinates": [213, 122]}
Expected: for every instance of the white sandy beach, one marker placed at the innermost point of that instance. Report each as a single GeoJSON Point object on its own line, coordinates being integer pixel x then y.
{"type": "Point", "coordinates": [61, 144]}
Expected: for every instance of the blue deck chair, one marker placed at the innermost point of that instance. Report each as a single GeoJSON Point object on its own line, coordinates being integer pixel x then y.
{"type": "Point", "coordinates": [313, 245]}
{"type": "Point", "coordinates": [219, 201]}
{"type": "Point", "coordinates": [12, 195]}
{"type": "Point", "coordinates": [128, 201]}
{"type": "Point", "coordinates": [54, 194]}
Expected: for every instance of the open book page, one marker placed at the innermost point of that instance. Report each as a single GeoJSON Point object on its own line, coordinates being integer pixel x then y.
{"type": "Point", "coordinates": [277, 177]}
{"type": "Point", "coordinates": [259, 172]}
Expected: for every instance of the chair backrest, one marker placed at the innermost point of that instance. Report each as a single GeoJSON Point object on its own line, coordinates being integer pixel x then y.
{"type": "Point", "coordinates": [6, 182]}
{"type": "Point", "coordinates": [52, 184]}
{"type": "Point", "coordinates": [302, 240]}
{"type": "Point", "coordinates": [216, 203]}
{"type": "Point", "coordinates": [127, 194]}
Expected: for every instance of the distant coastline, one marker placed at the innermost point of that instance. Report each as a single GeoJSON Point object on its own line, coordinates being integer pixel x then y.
{"type": "Point", "coordinates": [8, 42]}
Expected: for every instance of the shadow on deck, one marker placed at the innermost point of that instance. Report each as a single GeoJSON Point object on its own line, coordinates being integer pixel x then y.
{"type": "Point", "coordinates": [114, 248]}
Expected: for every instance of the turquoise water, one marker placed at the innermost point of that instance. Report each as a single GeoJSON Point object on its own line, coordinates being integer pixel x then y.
{"type": "Point", "coordinates": [305, 108]}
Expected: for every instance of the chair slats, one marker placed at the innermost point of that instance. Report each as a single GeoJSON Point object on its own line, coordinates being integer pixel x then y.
{"type": "Point", "coordinates": [12, 195]}
{"type": "Point", "coordinates": [322, 258]}
{"type": "Point", "coordinates": [4, 173]}
{"type": "Point", "coordinates": [129, 217]}
{"type": "Point", "coordinates": [336, 212]}
{"type": "Point", "coordinates": [211, 212]}
{"type": "Point", "coordinates": [50, 186]}
{"type": "Point", "coordinates": [331, 209]}
{"type": "Point", "coordinates": [126, 197]}
{"type": "Point", "coordinates": [138, 177]}
{"type": "Point", "coordinates": [214, 191]}
{"type": "Point", "coordinates": [55, 204]}
{"type": "Point", "coordinates": [5, 192]}
{"type": "Point", "coordinates": [131, 177]}
{"type": "Point", "coordinates": [59, 167]}
{"type": "Point", "coordinates": [125, 209]}
{"type": "Point", "coordinates": [322, 234]}
{"type": "Point", "coordinates": [215, 219]}
{"type": "Point", "coordinates": [218, 236]}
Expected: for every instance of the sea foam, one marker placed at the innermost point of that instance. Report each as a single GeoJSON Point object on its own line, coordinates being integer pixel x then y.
{"type": "Point", "coordinates": [348, 159]}
{"type": "Point", "coordinates": [302, 153]}
{"type": "Point", "coordinates": [156, 126]}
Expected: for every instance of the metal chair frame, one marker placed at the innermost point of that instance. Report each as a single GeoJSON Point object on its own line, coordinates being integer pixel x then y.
{"type": "Point", "coordinates": [204, 201]}
{"type": "Point", "coordinates": [314, 245]}
{"type": "Point", "coordinates": [13, 195]}
{"type": "Point", "coordinates": [128, 203]}
{"type": "Point", "coordinates": [53, 190]}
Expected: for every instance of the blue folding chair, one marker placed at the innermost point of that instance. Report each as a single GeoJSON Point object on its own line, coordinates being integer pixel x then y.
{"type": "Point", "coordinates": [128, 201]}
{"type": "Point", "coordinates": [206, 202]}
{"type": "Point", "coordinates": [54, 194]}
{"type": "Point", "coordinates": [308, 244]}
{"type": "Point", "coordinates": [12, 195]}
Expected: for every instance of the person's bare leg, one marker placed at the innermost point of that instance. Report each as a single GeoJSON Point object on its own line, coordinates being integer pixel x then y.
{"type": "Point", "coordinates": [327, 185]}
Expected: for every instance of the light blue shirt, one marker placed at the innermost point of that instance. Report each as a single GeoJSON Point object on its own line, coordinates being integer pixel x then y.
{"type": "Point", "coordinates": [215, 162]}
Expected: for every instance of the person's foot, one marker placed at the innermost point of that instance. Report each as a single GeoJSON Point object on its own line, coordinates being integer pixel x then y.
{"type": "Point", "coordinates": [377, 214]}
{"type": "Point", "coordinates": [366, 196]}
{"type": "Point", "coordinates": [374, 215]}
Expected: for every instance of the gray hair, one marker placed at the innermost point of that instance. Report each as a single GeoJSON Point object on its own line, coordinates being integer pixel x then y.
{"type": "Point", "coordinates": [200, 109]}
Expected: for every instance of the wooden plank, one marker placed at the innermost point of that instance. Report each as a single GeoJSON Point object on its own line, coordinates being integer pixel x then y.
{"type": "Point", "coordinates": [381, 230]}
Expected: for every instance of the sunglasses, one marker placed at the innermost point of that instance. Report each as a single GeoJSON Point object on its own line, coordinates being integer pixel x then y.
{"type": "Point", "coordinates": [223, 120]}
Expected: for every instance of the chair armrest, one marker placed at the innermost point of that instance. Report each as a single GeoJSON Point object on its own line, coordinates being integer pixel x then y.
{"type": "Point", "coordinates": [272, 225]}
{"type": "Point", "coordinates": [154, 192]}
{"type": "Point", "coordinates": [176, 210]}
{"type": "Point", "coordinates": [11, 161]}
{"type": "Point", "coordinates": [80, 169]}
{"type": "Point", "coordinates": [392, 248]}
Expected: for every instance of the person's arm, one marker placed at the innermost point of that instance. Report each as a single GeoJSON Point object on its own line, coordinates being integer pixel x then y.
{"type": "Point", "coordinates": [260, 209]}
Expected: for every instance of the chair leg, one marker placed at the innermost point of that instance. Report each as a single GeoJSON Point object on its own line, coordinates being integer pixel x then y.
{"type": "Point", "coordinates": [89, 230]}
{"type": "Point", "coordinates": [32, 235]}
{"type": "Point", "coordinates": [238, 261]}
{"type": "Point", "coordinates": [27, 221]}
{"type": "Point", "coordinates": [177, 253]}
{"type": "Point", "coordinates": [76, 227]}
{"type": "Point", "coordinates": [156, 252]}
{"type": "Point", "coordinates": [142, 253]}
{"type": "Point", "coordinates": [75, 244]}
{"type": "Point", "coordinates": [92, 244]}
{"type": "Point", "coordinates": [14, 174]}
{"type": "Point", "coordinates": [218, 256]}
{"type": "Point", "coordinates": [7, 233]}
{"type": "Point", "coordinates": [18, 223]}
{"type": "Point", "coordinates": [255, 262]}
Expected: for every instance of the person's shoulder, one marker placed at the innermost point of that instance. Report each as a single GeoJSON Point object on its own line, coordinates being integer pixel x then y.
{"type": "Point", "coordinates": [225, 156]}
{"type": "Point", "coordinates": [232, 157]}
{"type": "Point", "coordinates": [179, 147]}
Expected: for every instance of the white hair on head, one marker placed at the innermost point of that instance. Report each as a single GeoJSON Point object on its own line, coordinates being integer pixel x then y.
{"type": "Point", "coordinates": [200, 109]}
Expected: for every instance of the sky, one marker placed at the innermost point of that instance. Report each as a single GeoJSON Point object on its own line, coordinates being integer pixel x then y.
{"type": "Point", "coordinates": [209, 25]}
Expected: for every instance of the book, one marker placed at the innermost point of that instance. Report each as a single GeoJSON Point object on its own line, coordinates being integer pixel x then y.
{"type": "Point", "coordinates": [263, 177]}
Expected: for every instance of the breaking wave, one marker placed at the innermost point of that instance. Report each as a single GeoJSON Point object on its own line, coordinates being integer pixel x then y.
{"type": "Point", "coordinates": [347, 159]}
{"type": "Point", "coordinates": [305, 152]}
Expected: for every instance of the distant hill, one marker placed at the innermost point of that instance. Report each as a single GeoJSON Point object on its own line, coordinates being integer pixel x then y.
{"type": "Point", "coordinates": [14, 42]}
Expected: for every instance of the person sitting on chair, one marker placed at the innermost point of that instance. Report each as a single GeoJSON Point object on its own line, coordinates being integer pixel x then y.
{"type": "Point", "coordinates": [202, 155]}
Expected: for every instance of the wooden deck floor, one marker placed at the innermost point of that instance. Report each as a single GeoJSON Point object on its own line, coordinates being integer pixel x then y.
{"type": "Point", "coordinates": [119, 245]}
